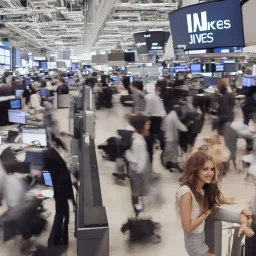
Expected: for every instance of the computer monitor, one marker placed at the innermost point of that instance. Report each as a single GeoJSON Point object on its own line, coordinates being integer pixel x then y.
{"type": "Point", "coordinates": [196, 68]}
{"type": "Point", "coordinates": [15, 104]}
{"type": "Point", "coordinates": [219, 68]}
{"type": "Point", "coordinates": [47, 178]}
{"type": "Point", "coordinates": [230, 67]}
{"type": "Point", "coordinates": [172, 70]}
{"type": "Point", "coordinates": [36, 159]}
{"type": "Point", "coordinates": [248, 81]}
{"type": "Point", "coordinates": [19, 93]}
{"type": "Point", "coordinates": [17, 116]}
{"type": "Point", "coordinates": [210, 81]}
{"type": "Point", "coordinates": [32, 135]}
{"type": "Point", "coordinates": [131, 79]}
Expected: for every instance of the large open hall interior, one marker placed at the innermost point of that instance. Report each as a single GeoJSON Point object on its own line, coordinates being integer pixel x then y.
{"type": "Point", "coordinates": [127, 127]}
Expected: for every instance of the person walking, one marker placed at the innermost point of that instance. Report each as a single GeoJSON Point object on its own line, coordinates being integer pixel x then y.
{"type": "Point", "coordinates": [156, 111]}
{"type": "Point", "coordinates": [63, 191]}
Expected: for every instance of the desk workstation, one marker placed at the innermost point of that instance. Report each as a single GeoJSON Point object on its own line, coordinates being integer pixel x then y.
{"type": "Point", "coordinates": [22, 146]}
{"type": "Point", "coordinates": [91, 223]}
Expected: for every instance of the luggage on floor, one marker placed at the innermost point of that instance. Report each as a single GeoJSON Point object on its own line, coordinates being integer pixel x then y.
{"type": "Point", "coordinates": [124, 98]}
{"type": "Point", "coordinates": [110, 148]}
{"type": "Point", "coordinates": [141, 229]}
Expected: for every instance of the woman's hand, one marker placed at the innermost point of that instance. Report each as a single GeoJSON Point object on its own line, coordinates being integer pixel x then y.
{"type": "Point", "coordinates": [245, 230]}
{"type": "Point", "coordinates": [209, 212]}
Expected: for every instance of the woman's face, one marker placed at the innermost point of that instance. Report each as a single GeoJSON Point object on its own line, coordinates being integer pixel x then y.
{"type": "Point", "coordinates": [207, 173]}
{"type": "Point", "coordinates": [146, 128]}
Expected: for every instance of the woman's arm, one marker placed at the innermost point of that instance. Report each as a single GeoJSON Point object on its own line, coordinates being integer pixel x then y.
{"type": "Point", "coordinates": [185, 210]}
{"type": "Point", "coordinates": [233, 217]}
{"type": "Point", "coordinates": [227, 201]}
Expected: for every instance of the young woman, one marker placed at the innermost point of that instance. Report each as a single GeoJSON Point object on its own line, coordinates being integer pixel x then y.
{"type": "Point", "coordinates": [197, 198]}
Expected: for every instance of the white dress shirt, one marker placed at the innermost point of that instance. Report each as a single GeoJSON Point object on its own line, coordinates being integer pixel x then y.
{"type": "Point", "coordinates": [154, 105]}
{"type": "Point", "coordinates": [137, 156]}
{"type": "Point", "coordinates": [171, 125]}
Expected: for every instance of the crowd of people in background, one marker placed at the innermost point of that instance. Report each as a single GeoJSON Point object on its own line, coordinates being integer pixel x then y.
{"type": "Point", "coordinates": [169, 116]}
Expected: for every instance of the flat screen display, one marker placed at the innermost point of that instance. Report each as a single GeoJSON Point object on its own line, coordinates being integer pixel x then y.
{"type": "Point", "coordinates": [248, 81]}
{"type": "Point", "coordinates": [225, 50]}
{"type": "Point", "coordinates": [151, 41]}
{"type": "Point", "coordinates": [208, 25]}
{"type": "Point", "coordinates": [19, 93]}
{"type": "Point", "coordinates": [129, 57]}
{"type": "Point", "coordinates": [230, 67]}
{"type": "Point", "coordinates": [195, 68]}
{"type": "Point", "coordinates": [74, 66]}
{"type": "Point", "coordinates": [181, 68]}
{"type": "Point", "coordinates": [43, 65]}
{"type": "Point", "coordinates": [219, 68]}
{"type": "Point", "coordinates": [16, 116]}
{"type": "Point", "coordinates": [31, 135]}
{"type": "Point", "coordinates": [15, 104]}
{"type": "Point", "coordinates": [210, 81]}
{"type": "Point", "coordinates": [172, 70]}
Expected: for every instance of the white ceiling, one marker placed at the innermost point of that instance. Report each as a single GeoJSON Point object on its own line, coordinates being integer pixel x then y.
{"type": "Point", "coordinates": [127, 17]}
{"type": "Point", "coordinates": [45, 24]}
{"type": "Point", "coordinates": [82, 26]}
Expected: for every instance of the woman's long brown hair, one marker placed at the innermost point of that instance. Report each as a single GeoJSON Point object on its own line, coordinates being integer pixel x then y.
{"type": "Point", "coordinates": [189, 178]}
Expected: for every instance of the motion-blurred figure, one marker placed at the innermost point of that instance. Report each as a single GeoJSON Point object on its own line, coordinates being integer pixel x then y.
{"type": "Point", "coordinates": [138, 97]}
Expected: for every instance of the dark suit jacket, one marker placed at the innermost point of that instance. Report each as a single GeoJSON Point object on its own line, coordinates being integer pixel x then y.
{"type": "Point", "coordinates": [227, 104]}
{"type": "Point", "coordinates": [61, 178]}
{"type": "Point", "coordinates": [63, 89]}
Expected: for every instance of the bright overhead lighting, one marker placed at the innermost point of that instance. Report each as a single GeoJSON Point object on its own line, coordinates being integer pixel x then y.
{"type": "Point", "coordinates": [102, 52]}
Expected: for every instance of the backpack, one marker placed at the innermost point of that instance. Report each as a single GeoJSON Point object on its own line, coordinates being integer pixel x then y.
{"type": "Point", "coordinates": [142, 229]}
{"type": "Point", "coordinates": [126, 141]}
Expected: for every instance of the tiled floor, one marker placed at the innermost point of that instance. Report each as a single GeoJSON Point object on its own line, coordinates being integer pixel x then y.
{"type": "Point", "coordinates": [116, 197]}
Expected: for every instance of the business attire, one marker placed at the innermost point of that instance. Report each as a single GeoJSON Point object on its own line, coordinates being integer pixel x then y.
{"type": "Point", "coordinates": [63, 191]}
{"type": "Point", "coordinates": [171, 127]}
{"type": "Point", "coordinates": [226, 110]}
{"type": "Point", "coordinates": [249, 111]}
{"type": "Point", "coordinates": [169, 99]}
{"type": "Point", "coordinates": [155, 109]}
{"type": "Point", "coordinates": [63, 89]}
{"type": "Point", "coordinates": [139, 102]}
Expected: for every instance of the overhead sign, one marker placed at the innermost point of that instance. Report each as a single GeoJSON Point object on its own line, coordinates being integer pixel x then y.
{"type": "Point", "coordinates": [212, 24]}
{"type": "Point", "coordinates": [149, 41]}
